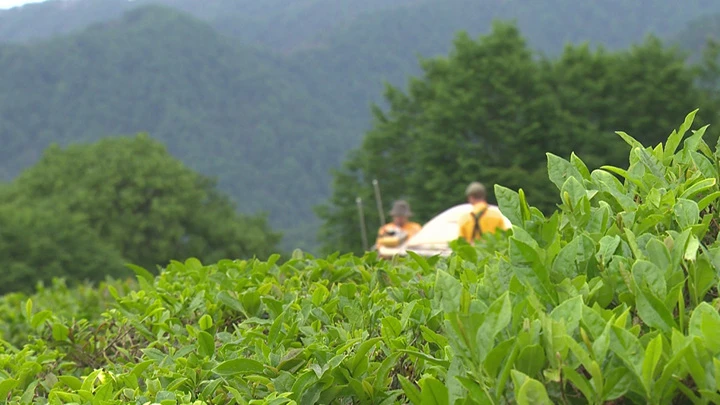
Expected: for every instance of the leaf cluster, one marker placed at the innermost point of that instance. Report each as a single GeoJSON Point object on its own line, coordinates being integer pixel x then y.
{"type": "Point", "coordinates": [612, 298]}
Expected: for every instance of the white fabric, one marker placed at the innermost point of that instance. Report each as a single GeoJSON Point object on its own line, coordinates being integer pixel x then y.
{"type": "Point", "coordinates": [445, 227]}
{"type": "Point", "coordinates": [441, 229]}
{"type": "Point", "coordinates": [436, 234]}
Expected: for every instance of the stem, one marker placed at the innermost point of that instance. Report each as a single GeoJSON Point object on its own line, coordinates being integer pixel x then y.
{"type": "Point", "coordinates": [562, 380]}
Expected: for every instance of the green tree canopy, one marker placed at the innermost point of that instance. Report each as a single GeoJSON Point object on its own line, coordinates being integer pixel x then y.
{"type": "Point", "coordinates": [135, 198]}
{"type": "Point", "coordinates": [491, 110]}
{"type": "Point", "coordinates": [42, 239]}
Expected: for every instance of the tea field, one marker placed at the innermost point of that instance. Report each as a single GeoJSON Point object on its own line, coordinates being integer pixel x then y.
{"type": "Point", "coordinates": [612, 299]}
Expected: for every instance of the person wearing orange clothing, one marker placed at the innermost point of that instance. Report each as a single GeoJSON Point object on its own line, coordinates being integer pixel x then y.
{"type": "Point", "coordinates": [401, 229]}
{"type": "Point", "coordinates": [481, 220]}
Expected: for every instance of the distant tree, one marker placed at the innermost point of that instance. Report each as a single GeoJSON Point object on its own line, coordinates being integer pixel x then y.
{"type": "Point", "coordinates": [483, 113]}
{"type": "Point", "coordinates": [641, 90]}
{"type": "Point", "coordinates": [42, 239]}
{"type": "Point", "coordinates": [490, 111]}
{"type": "Point", "coordinates": [143, 202]}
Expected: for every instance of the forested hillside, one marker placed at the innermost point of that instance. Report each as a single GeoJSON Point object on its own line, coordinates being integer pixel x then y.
{"type": "Point", "coordinates": [224, 109]}
{"type": "Point", "coordinates": [696, 34]}
{"type": "Point", "coordinates": [385, 45]}
{"type": "Point", "coordinates": [282, 25]}
{"type": "Point", "coordinates": [292, 25]}
{"type": "Point", "coordinates": [268, 97]}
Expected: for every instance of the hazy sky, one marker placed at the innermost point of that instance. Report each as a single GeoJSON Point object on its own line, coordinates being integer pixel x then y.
{"type": "Point", "coordinates": [13, 3]}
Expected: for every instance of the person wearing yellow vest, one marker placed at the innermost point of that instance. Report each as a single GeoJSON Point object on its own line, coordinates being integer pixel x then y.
{"type": "Point", "coordinates": [481, 220]}
{"type": "Point", "coordinates": [397, 232]}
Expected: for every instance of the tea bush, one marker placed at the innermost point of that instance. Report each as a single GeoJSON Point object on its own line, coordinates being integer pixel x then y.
{"type": "Point", "coordinates": [612, 299]}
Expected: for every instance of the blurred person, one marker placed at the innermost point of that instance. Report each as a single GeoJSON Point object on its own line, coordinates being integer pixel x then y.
{"type": "Point", "coordinates": [400, 229]}
{"type": "Point", "coordinates": [480, 220]}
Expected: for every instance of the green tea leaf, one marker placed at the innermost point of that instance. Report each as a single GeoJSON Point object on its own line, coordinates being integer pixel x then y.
{"type": "Point", "coordinates": [391, 327]}
{"type": "Point", "coordinates": [433, 392]}
{"type": "Point", "coordinates": [575, 191]}
{"type": "Point", "coordinates": [674, 139]}
{"type": "Point", "coordinates": [141, 272]}
{"type": "Point", "coordinates": [40, 317]}
{"type": "Point", "coordinates": [653, 164]}
{"type": "Point", "coordinates": [7, 385]}
{"type": "Point", "coordinates": [687, 213]}
{"type": "Point", "coordinates": [420, 260]}
{"type": "Point", "coordinates": [509, 204]}
{"type": "Point", "coordinates": [707, 200]}
{"type": "Point", "coordinates": [531, 360]}
{"type": "Point", "coordinates": [496, 319]}
{"type": "Point", "coordinates": [71, 381]}
{"type": "Point", "coordinates": [456, 391]}
{"type": "Point", "coordinates": [698, 187]}
{"type": "Point", "coordinates": [628, 349]}
{"type": "Point", "coordinates": [239, 366]}
{"type": "Point", "coordinates": [653, 311]}
{"type": "Point", "coordinates": [530, 269]}
{"type": "Point", "coordinates": [629, 176]}
{"type": "Point", "coordinates": [28, 309]}
{"type": "Point", "coordinates": [608, 246]}
{"type": "Point", "coordinates": [580, 382]}
{"type": "Point", "coordinates": [694, 141]}
{"type": "Point", "coordinates": [691, 250]}
{"type": "Point", "coordinates": [617, 382]}
{"type": "Point", "coordinates": [530, 391]}
{"type": "Point", "coordinates": [205, 322]}
{"type": "Point", "coordinates": [559, 170]}
{"type": "Point", "coordinates": [427, 357]}
{"type": "Point", "coordinates": [705, 323]}
{"type": "Point", "coordinates": [580, 166]}
{"type": "Point", "coordinates": [411, 390]}
{"type": "Point", "coordinates": [206, 344]}
{"type": "Point", "coordinates": [634, 143]}
{"type": "Point", "coordinates": [230, 301]}
{"type": "Point", "coordinates": [447, 291]}
{"type": "Point", "coordinates": [382, 378]}
{"type": "Point", "coordinates": [653, 352]}
{"type": "Point", "coordinates": [29, 393]}
{"type": "Point", "coordinates": [60, 332]}
{"type": "Point", "coordinates": [659, 255]}
{"type": "Point", "coordinates": [569, 312]}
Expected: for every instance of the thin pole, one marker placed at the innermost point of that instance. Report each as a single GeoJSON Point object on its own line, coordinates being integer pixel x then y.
{"type": "Point", "coordinates": [378, 200]}
{"type": "Point", "coordinates": [363, 231]}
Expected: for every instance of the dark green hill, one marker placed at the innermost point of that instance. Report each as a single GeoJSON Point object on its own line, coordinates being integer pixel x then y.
{"type": "Point", "coordinates": [224, 109]}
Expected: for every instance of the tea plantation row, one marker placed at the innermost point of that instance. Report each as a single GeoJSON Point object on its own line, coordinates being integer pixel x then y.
{"type": "Point", "coordinates": [611, 299]}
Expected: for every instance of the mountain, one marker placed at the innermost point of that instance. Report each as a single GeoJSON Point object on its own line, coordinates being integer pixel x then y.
{"type": "Point", "coordinates": [695, 34]}
{"type": "Point", "coordinates": [385, 45]}
{"type": "Point", "coordinates": [224, 108]}
{"type": "Point", "coordinates": [267, 96]}
{"type": "Point", "coordinates": [281, 25]}
{"type": "Point", "coordinates": [296, 25]}
{"type": "Point", "coordinates": [375, 40]}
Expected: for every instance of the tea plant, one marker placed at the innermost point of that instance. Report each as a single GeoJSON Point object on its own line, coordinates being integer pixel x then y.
{"type": "Point", "coordinates": [612, 299]}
